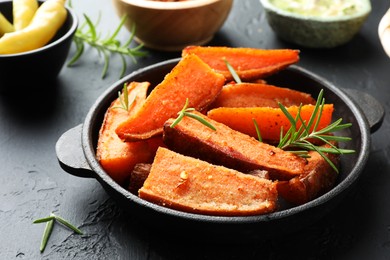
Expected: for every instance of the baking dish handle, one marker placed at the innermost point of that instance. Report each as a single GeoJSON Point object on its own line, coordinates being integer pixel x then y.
{"type": "Point", "coordinates": [370, 106]}
{"type": "Point", "coordinates": [70, 153]}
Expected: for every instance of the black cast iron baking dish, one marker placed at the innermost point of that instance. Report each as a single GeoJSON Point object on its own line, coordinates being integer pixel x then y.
{"type": "Point", "coordinates": [76, 154]}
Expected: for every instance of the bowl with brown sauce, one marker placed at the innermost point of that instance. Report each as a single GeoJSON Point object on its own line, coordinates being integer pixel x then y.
{"type": "Point", "coordinates": [76, 152]}
{"type": "Point", "coordinates": [172, 25]}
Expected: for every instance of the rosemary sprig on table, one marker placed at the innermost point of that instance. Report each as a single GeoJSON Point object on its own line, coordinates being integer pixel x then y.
{"type": "Point", "coordinates": [298, 140]}
{"type": "Point", "coordinates": [49, 227]}
{"type": "Point", "coordinates": [186, 111]}
{"type": "Point", "coordinates": [87, 34]}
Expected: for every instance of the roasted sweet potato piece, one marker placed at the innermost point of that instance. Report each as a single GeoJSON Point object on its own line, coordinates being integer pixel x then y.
{"type": "Point", "coordinates": [230, 148]}
{"type": "Point", "coordinates": [318, 178]}
{"type": "Point", "coordinates": [191, 78]}
{"type": "Point", "coordinates": [260, 95]}
{"type": "Point", "coordinates": [138, 176]}
{"type": "Point", "coordinates": [115, 156]}
{"type": "Point", "coordinates": [249, 63]}
{"type": "Point", "coordinates": [188, 184]}
{"type": "Point", "coordinates": [269, 120]}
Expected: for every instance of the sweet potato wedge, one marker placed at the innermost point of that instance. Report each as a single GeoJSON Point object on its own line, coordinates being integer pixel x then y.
{"type": "Point", "coordinates": [191, 78]}
{"type": "Point", "coordinates": [230, 148]}
{"type": "Point", "coordinates": [115, 156]}
{"type": "Point", "coordinates": [249, 63]}
{"type": "Point", "coordinates": [138, 176]}
{"type": "Point", "coordinates": [188, 184]}
{"type": "Point", "coordinates": [269, 120]}
{"type": "Point", "coordinates": [260, 95]}
{"type": "Point", "coordinates": [317, 179]}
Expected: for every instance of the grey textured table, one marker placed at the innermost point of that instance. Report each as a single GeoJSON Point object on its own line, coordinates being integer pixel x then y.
{"type": "Point", "coordinates": [32, 184]}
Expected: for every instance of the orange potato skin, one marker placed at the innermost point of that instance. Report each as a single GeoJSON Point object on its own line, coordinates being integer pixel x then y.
{"type": "Point", "coordinates": [249, 63]}
{"type": "Point", "coordinates": [269, 120]}
{"type": "Point", "coordinates": [260, 95]}
{"type": "Point", "coordinates": [116, 157]}
{"type": "Point", "coordinates": [191, 78]}
{"type": "Point", "coordinates": [191, 185]}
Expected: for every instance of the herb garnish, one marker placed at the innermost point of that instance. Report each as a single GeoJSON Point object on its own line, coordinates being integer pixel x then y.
{"type": "Point", "coordinates": [232, 71]}
{"type": "Point", "coordinates": [49, 227]}
{"type": "Point", "coordinates": [187, 112]}
{"type": "Point", "coordinates": [125, 103]}
{"type": "Point", "coordinates": [86, 33]}
{"type": "Point", "coordinates": [297, 140]}
{"type": "Point", "coordinates": [257, 130]}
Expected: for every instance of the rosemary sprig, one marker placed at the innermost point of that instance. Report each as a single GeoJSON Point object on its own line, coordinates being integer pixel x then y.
{"type": "Point", "coordinates": [49, 227]}
{"type": "Point", "coordinates": [297, 140]}
{"type": "Point", "coordinates": [257, 130]}
{"type": "Point", "coordinates": [125, 103]}
{"type": "Point", "coordinates": [232, 71]}
{"type": "Point", "coordinates": [87, 34]}
{"type": "Point", "coordinates": [187, 112]}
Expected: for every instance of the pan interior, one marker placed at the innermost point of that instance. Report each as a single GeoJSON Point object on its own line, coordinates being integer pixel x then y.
{"type": "Point", "coordinates": [293, 77]}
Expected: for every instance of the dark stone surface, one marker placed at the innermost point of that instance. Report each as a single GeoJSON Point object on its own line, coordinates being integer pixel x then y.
{"type": "Point", "coordinates": [32, 183]}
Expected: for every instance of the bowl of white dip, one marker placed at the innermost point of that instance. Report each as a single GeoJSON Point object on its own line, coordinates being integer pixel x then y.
{"type": "Point", "coordinates": [316, 23]}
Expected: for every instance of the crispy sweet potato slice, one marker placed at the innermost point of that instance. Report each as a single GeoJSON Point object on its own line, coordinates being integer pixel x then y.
{"type": "Point", "coordinates": [249, 63]}
{"type": "Point", "coordinates": [260, 95]}
{"type": "Point", "coordinates": [191, 78]}
{"type": "Point", "coordinates": [188, 184]}
{"type": "Point", "coordinates": [269, 120]}
{"type": "Point", "coordinates": [115, 156]}
{"type": "Point", "coordinates": [138, 176]}
{"type": "Point", "coordinates": [317, 179]}
{"type": "Point", "coordinates": [230, 148]}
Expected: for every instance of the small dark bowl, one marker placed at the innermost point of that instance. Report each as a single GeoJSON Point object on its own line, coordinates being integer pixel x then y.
{"type": "Point", "coordinates": [76, 152]}
{"type": "Point", "coordinates": [37, 67]}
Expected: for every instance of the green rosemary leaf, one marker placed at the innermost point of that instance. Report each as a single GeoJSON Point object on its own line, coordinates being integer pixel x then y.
{"type": "Point", "coordinates": [257, 130]}
{"type": "Point", "coordinates": [106, 63]}
{"type": "Point", "coordinates": [126, 97]}
{"type": "Point", "coordinates": [132, 34]}
{"type": "Point", "coordinates": [185, 111]}
{"type": "Point", "coordinates": [200, 119]}
{"type": "Point", "coordinates": [336, 151]}
{"type": "Point", "coordinates": [290, 118]}
{"type": "Point", "coordinates": [91, 26]}
{"type": "Point", "coordinates": [177, 120]}
{"type": "Point", "coordinates": [79, 52]}
{"type": "Point", "coordinates": [336, 138]}
{"type": "Point", "coordinates": [317, 112]}
{"type": "Point", "coordinates": [232, 71]}
{"type": "Point", "coordinates": [43, 220]}
{"type": "Point", "coordinates": [67, 224]}
{"type": "Point", "coordinates": [301, 153]}
{"type": "Point", "coordinates": [46, 234]}
{"type": "Point", "coordinates": [125, 102]}
{"type": "Point", "coordinates": [316, 148]}
{"type": "Point", "coordinates": [117, 30]}
{"type": "Point", "coordinates": [124, 66]}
